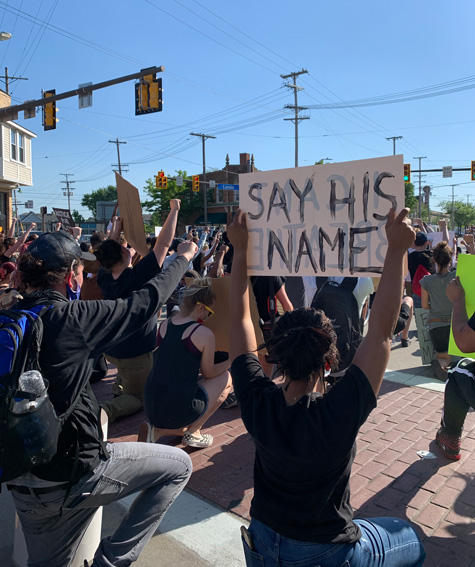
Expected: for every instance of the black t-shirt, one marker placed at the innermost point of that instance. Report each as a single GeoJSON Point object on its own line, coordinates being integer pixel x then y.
{"type": "Point", "coordinates": [75, 334]}
{"type": "Point", "coordinates": [130, 280]}
{"type": "Point", "coordinates": [417, 258]}
{"type": "Point", "coordinates": [261, 286]}
{"type": "Point", "coordinates": [304, 452]}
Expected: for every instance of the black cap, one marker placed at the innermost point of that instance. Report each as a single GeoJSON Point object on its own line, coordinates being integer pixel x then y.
{"type": "Point", "coordinates": [57, 250]}
{"type": "Point", "coordinates": [421, 238]}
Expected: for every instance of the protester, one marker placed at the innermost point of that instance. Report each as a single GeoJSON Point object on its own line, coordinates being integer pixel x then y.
{"type": "Point", "coordinates": [419, 264]}
{"type": "Point", "coordinates": [185, 386]}
{"type": "Point", "coordinates": [433, 297]}
{"type": "Point", "coordinates": [56, 502]}
{"type": "Point", "coordinates": [305, 435]}
{"type": "Point", "coordinates": [404, 320]}
{"type": "Point", "coordinates": [459, 394]}
{"type": "Point", "coordinates": [8, 295]}
{"type": "Point", "coordinates": [118, 279]}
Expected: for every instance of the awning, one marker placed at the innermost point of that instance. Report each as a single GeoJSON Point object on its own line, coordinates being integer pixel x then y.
{"type": "Point", "coordinates": [213, 218]}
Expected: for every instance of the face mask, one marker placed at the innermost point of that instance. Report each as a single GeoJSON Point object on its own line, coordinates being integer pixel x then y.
{"type": "Point", "coordinates": [72, 295]}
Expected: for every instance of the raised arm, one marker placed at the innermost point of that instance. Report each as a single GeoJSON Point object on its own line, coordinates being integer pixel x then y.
{"type": "Point", "coordinates": [445, 231]}
{"type": "Point", "coordinates": [11, 230]}
{"type": "Point", "coordinates": [20, 240]}
{"type": "Point", "coordinates": [164, 239]}
{"type": "Point", "coordinates": [372, 355]}
{"type": "Point", "coordinates": [217, 268]}
{"type": "Point", "coordinates": [243, 338]}
{"type": "Point", "coordinates": [464, 335]}
{"type": "Point", "coordinates": [116, 229]}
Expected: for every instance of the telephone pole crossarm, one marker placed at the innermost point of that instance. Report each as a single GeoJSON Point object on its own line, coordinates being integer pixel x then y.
{"type": "Point", "coordinates": [9, 112]}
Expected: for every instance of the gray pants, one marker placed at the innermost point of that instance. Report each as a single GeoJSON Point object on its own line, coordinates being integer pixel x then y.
{"type": "Point", "coordinates": [53, 529]}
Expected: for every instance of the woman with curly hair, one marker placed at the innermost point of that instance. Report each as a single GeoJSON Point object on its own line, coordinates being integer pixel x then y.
{"type": "Point", "coordinates": [305, 432]}
{"type": "Point", "coordinates": [185, 386]}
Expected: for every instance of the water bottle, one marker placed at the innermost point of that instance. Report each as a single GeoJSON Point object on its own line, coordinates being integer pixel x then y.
{"type": "Point", "coordinates": [33, 383]}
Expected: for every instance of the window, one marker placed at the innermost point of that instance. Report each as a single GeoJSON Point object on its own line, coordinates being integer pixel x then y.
{"type": "Point", "coordinates": [21, 147]}
{"type": "Point", "coordinates": [13, 143]}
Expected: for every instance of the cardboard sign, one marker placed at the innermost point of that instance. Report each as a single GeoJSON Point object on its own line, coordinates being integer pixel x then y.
{"type": "Point", "coordinates": [324, 219]}
{"type": "Point", "coordinates": [466, 273]}
{"type": "Point", "coordinates": [436, 237]}
{"type": "Point", "coordinates": [220, 323]}
{"type": "Point", "coordinates": [425, 343]}
{"type": "Point", "coordinates": [64, 217]}
{"type": "Point", "coordinates": [131, 214]}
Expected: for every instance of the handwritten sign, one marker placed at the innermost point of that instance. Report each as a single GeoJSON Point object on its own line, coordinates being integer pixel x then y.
{"type": "Point", "coordinates": [466, 273]}
{"type": "Point", "coordinates": [131, 213]}
{"type": "Point", "coordinates": [64, 216]}
{"type": "Point", "coordinates": [425, 342]}
{"type": "Point", "coordinates": [326, 219]}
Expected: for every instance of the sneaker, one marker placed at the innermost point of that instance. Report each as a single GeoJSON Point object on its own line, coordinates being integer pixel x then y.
{"type": "Point", "coordinates": [439, 372]}
{"type": "Point", "coordinates": [450, 444]}
{"type": "Point", "coordinates": [229, 402]}
{"type": "Point", "coordinates": [405, 342]}
{"type": "Point", "coordinates": [198, 441]}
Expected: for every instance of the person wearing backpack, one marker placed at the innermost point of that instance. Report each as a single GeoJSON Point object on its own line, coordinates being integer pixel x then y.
{"type": "Point", "coordinates": [419, 264]}
{"type": "Point", "coordinates": [57, 500]}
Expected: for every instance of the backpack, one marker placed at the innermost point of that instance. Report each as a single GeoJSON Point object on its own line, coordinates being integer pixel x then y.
{"type": "Point", "coordinates": [339, 304]}
{"type": "Point", "coordinates": [416, 282]}
{"type": "Point", "coordinates": [29, 425]}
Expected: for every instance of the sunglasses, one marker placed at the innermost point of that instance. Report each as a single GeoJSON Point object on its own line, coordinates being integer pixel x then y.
{"type": "Point", "coordinates": [211, 312]}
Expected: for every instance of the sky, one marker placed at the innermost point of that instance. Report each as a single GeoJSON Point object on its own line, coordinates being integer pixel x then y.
{"type": "Point", "coordinates": [223, 65]}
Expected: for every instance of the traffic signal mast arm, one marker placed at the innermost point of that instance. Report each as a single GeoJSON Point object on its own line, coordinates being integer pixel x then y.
{"type": "Point", "coordinates": [10, 112]}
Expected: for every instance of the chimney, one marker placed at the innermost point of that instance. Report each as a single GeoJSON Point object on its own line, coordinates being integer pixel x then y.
{"type": "Point", "coordinates": [243, 160]}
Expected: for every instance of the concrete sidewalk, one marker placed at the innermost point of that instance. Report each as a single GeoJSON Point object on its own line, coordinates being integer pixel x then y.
{"type": "Point", "coordinates": [388, 478]}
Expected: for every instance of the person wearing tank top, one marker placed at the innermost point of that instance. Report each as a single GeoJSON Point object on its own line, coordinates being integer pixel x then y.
{"type": "Point", "coordinates": [185, 386]}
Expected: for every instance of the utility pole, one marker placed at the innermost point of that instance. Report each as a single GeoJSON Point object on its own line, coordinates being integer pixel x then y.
{"type": "Point", "coordinates": [8, 78]}
{"type": "Point", "coordinates": [204, 137]}
{"type": "Point", "coordinates": [296, 108]}
{"type": "Point", "coordinates": [453, 208]}
{"type": "Point", "coordinates": [394, 138]}
{"type": "Point", "coordinates": [118, 164]}
{"type": "Point", "coordinates": [67, 191]}
{"type": "Point", "coordinates": [420, 158]}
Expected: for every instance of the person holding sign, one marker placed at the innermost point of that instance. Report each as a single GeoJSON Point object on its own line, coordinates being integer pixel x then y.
{"type": "Point", "coordinates": [459, 394]}
{"type": "Point", "coordinates": [305, 432]}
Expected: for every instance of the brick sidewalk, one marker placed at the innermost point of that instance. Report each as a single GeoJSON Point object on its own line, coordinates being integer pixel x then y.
{"type": "Point", "coordinates": [388, 477]}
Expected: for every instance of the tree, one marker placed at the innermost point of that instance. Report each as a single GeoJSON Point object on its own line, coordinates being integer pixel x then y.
{"type": "Point", "coordinates": [89, 200]}
{"type": "Point", "coordinates": [463, 213]}
{"type": "Point", "coordinates": [77, 217]}
{"type": "Point", "coordinates": [410, 198]}
{"type": "Point", "coordinates": [159, 199]}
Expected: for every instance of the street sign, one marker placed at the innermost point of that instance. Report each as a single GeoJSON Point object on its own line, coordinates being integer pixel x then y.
{"type": "Point", "coordinates": [212, 183]}
{"type": "Point", "coordinates": [228, 187]}
{"type": "Point", "coordinates": [85, 100]}
{"type": "Point", "coordinates": [179, 181]}
{"type": "Point", "coordinates": [29, 204]}
{"type": "Point", "coordinates": [447, 171]}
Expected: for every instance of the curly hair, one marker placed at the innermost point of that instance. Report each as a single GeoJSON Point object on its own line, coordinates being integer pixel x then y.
{"type": "Point", "coordinates": [443, 254]}
{"type": "Point", "coordinates": [302, 342]}
{"type": "Point", "coordinates": [33, 274]}
{"type": "Point", "coordinates": [109, 253]}
{"type": "Point", "coordinates": [200, 291]}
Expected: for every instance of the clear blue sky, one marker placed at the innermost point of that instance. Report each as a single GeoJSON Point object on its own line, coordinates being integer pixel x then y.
{"type": "Point", "coordinates": [223, 63]}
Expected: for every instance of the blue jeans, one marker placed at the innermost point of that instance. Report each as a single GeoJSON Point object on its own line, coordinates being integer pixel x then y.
{"type": "Point", "coordinates": [54, 528]}
{"type": "Point", "coordinates": [385, 542]}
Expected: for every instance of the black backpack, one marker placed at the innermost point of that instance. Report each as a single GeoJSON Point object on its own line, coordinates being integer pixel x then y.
{"type": "Point", "coordinates": [339, 304]}
{"type": "Point", "coordinates": [29, 425]}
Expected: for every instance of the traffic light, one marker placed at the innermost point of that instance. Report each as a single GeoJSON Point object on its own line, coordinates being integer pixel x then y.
{"type": "Point", "coordinates": [49, 112]}
{"type": "Point", "coordinates": [407, 173]}
{"type": "Point", "coordinates": [195, 186]}
{"type": "Point", "coordinates": [473, 171]}
{"type": "Point", "coordinates": [148, 94]}
{"type": "Point", "coordinates": [160, 180]}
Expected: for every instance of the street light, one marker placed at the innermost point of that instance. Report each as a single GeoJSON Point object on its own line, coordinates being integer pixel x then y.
{"type": "Point", "coordinates": [5, 35]}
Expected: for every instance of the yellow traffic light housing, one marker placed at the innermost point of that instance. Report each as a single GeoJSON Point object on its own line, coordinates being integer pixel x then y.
{"type": "Point", "coordinates": [159, 180]}
{"type": "Point", "coordinates": [407, 173]}
{"type": "Point", "coordinates": [195, 186]}
{"type": "Point", "coordinates": [49, 111]}
{"type": "Point", "coordinates": [148, 94]}
{"type": "Point", "coordinates": [164, 182]}
{"type": "Point", "coordinates": [473, 171]}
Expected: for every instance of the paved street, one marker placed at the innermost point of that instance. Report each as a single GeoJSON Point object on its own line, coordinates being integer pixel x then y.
{"type": "Point", "coordinates": [388, 478]}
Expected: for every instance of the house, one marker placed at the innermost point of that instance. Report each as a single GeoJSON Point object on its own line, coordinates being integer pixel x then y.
{"type": "Point", "coordinates": [15, 162]}
{"type": "Point", "coordinates": [225, 202]}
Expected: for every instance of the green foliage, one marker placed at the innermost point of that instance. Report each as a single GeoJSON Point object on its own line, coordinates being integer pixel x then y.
{"type": "Point", "coordinates": [89, 200]}
{"type": "Point", "coordinates": [159, 199]}
{"type": "Point", "coordinates": [410, 200]}
{"type": "Point", "coordinates": [464, 213]}
{"type": "Point", "coordinates": [77, 216]}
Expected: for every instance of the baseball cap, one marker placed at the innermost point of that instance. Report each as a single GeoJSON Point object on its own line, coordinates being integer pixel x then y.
{"type": "Point", "coordinates": [421, 238]}
{"type": "Point", "coordinates": [57, 250]}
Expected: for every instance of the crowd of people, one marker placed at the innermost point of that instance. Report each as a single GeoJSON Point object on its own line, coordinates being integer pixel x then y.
{"type": "Point", "coordinates": [106, 305]}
